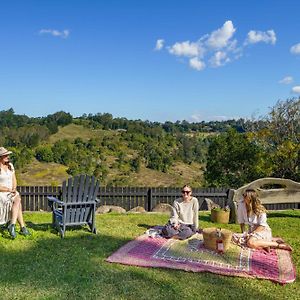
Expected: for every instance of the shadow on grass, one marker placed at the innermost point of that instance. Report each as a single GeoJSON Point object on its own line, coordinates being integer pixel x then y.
{"type": "Point", "coordinates": [39, 227]}
{"type": "Point", "coordinates": [282, 215]}
{"type": "Point", "coordinates": [205, 218]}
{"type": "Point", "coordinates": [147, 226]}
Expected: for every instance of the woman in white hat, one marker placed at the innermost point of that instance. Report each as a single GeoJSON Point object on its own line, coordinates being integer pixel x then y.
{"type": "Point", "coordinates": [10, 200]}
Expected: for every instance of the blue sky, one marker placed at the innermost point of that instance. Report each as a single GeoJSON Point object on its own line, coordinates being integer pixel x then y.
{"type": "Point", "coordinates": [153, 60]}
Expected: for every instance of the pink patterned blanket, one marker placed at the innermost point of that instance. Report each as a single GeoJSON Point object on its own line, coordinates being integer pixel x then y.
{"type": "Point", "coordinates": [191, 255]}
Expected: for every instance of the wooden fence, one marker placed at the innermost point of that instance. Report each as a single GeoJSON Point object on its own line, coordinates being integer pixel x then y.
{"type": "Point", "coordinates": [34, 198]}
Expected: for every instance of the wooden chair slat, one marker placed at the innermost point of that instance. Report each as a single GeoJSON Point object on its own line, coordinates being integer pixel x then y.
{"type": "Point", "coordinates": [69, 192]}
{"type": "Point", "coordinates": [81, 188]}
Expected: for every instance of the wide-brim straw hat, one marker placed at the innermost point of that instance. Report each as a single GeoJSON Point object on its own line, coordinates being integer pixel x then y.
{"type": "Point", "coordinates": [4, 151]}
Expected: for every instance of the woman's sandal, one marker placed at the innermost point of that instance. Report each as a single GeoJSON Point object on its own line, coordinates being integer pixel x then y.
{"type": "Point", "coordinates": [283, 246]}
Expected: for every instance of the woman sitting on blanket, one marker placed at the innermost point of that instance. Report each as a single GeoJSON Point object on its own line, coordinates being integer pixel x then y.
{"type": "Point", "coordinates": [10, 200]}
{"type": "Point", "coordinates": [253, 213]}
{"type": "Point", "coordinates": [184, 219]}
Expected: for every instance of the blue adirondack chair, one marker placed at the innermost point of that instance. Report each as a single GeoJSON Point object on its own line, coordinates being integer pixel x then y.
{"type": "Point", "coordinates": [77, 204]}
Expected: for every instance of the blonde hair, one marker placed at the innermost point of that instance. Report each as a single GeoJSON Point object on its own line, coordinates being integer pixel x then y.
{"type": "Point", "coordinates": [254, 205]}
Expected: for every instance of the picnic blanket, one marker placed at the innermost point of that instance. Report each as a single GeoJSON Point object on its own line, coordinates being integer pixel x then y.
{"type": "Point", "coordinates": [191, 255]}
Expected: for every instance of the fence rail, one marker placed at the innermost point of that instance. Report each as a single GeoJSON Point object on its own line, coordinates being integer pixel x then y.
{"type": "Point", "coordinates": [34, 198]}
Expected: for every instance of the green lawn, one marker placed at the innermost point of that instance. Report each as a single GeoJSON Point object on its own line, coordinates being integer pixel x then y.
{"type": "Point", "coordinates": [44, 266]}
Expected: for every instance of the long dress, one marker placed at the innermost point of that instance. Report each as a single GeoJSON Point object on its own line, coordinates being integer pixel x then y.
{"type": "Point", "coordinates": [6, 198]}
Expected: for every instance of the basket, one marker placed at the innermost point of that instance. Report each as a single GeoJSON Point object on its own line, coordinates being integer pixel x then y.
{"type": "Point", "coordinates": [210, 238]}
{"type": "Point", "coordinates": [220, 216]}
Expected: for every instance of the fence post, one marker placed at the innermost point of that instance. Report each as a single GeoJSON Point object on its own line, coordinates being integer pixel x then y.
{"type": "Point", "coordinates": [149, 199]}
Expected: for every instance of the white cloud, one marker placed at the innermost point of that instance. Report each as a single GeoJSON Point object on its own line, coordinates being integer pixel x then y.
{"type": "Point", "coordinates": [217, 48]}
{"type": "Point", "coordinates": [295, 49]}
{"type": "Point", "coordinates": [185, 49]}
{"type": "Point", "coordinates": [286, 80]}
{"type": "Point", "coordinates": [220, 37]}
{"type": "Point", "coordinates": [254, 37]}
{"type": "Point", "coordinates": [63, 34]}
{"type": "Point", "coordinates": [159, 44]}
{"type": "Point", "coordinates": [296, 89]}
{"type": "Point", "coordinates": [219, 59]}
{"type": "Point", "coordinates": [197, 64]}
{"type": "Point", "coordinates": [198, 117]}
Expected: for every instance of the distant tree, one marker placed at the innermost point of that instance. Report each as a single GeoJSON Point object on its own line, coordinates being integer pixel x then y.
{"type": "Point", "coordinates": [44, 153]}
{"type": "Point", "coordinates": [8, 118]}
{"type": "Point", "coordinates": [280, 138]}
{"type": "Point", "coordinates": [101, 172]}
{"type": "Point", "coordinates": [233, 160]}
{"type": "Point", "coordinates": [61, 118]}
{"type": "Point", "coordinates": [63, 152]}
{"type": "Point", "coordinates": [135, 164]}
{"type": "Point", "coordinates": [52, 126]}
{"type": "Point", "coordinates": [21, 156]}
{"type": "Point", "coordinates": [28, 135]}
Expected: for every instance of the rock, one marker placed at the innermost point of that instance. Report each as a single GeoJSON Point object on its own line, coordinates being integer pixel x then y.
{"type": "Point", "coordinates": [162, 208]}
{"type": "Point", "coordinates": [138, 209]}
{"type": "Point", "coordinates": [117, 209]}
{"type": "Point", "coordinates": [104, 209]}
{"type": "Point", "coordinates": [211, 204]}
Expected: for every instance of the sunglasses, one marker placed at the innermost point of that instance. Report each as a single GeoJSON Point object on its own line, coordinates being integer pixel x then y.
{"type": "Point", "coordinates": [185, 192]}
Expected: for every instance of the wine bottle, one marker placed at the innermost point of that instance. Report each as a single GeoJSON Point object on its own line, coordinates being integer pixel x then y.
{"type": "Point", "coordinates": [219, 242]}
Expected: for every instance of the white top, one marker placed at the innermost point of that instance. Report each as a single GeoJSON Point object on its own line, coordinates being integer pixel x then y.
{"type": "Point", "coordinates": [6, 177]}
{"type": "Point", "coordinates": [185, 212]}
{"type": "Point", "coordinates": [6, 180]}
{"type": "Point", "coordinates": [253, 221]}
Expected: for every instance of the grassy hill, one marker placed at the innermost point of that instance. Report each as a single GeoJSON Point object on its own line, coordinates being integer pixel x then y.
{"type": "Point", "coordinates": [38, 173]}
{"type": "Point", "coordinates": [73, 131]}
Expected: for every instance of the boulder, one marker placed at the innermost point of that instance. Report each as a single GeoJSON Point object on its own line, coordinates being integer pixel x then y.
{"type": "Point", "coordinates": [117, 209]}
{"type": "Point", "coordinates": [104, 209]}
{"type": "Point", "coordinates": [211, 204]}
{"type": "Point", "coordinates": [162, 208]}
{"type": "Point", "coordinates": [138, 209]}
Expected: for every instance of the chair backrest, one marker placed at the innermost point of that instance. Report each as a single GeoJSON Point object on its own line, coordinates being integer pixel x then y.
{"type": "Point", "coordinates": [81, 188]}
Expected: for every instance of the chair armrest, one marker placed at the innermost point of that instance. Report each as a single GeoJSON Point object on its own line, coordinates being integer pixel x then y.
{"type": "Point", "coordinates": [53, 199]}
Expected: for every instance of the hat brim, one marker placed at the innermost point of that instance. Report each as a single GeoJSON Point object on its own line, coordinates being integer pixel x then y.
{"type": "Point", "coordinates": [6, 153]}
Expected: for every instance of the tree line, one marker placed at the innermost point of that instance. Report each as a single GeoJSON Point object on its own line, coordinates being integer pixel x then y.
{"type": "Point", "coordinates": [233, 153]}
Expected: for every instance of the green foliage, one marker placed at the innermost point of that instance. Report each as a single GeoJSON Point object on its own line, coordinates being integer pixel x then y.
{"type": "Point", "coordinates": [20, 130]}
{"type": "Point", "coordinates": [44, 153]}
{"type": "Point", "coordinates": [21, 156]}
{"type": "Point", "coordinates": [63, 152]}
{"type": "Point", "coordinates": [280, 138]}
{"type": "Point", "coordinates": [8, 118]}
{"type": "Point", "coordinates": [233, 160]}
{"type": "Point", "coordinates": [135, 164]}
{"type": "Point", "coordinates": [28, 135]}
{"type": "Point", "coordinates": [266, 147]}
{"type": "Point", "coordinates": [101, 172]}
